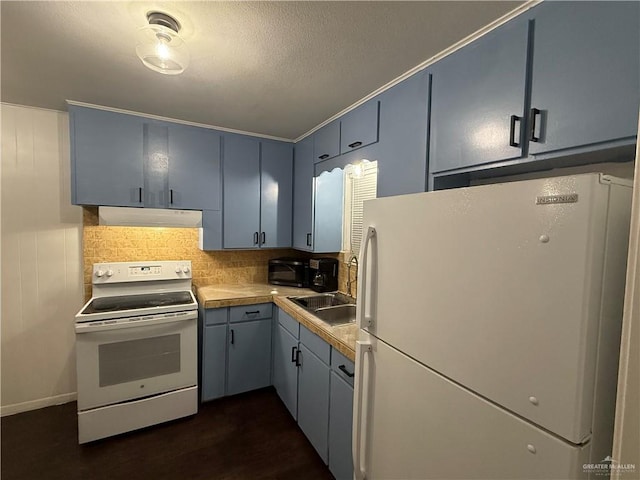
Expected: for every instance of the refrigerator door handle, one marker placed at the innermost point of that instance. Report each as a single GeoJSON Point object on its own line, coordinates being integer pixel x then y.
{"type": "Point", "coordinates": [359, 412]}
{"type": "Point", "coordinates": [362, 319]}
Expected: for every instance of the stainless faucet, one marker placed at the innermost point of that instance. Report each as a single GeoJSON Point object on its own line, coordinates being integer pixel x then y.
{"type": "Point", "coordinates": [353, 258]}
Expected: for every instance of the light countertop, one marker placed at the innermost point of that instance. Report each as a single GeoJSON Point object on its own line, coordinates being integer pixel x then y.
{"type": "Point", "coordinates": [341, 337]}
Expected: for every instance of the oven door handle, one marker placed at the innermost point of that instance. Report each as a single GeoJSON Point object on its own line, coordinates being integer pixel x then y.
{"type": "Point", "coordinates": [101, 326]}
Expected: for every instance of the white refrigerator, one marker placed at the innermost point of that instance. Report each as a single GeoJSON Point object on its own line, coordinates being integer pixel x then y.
{"type": "Point", "coordinates": [489, 327]}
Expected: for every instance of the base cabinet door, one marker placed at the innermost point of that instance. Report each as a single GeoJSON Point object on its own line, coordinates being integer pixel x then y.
{"type": "Point", "coordinates": [285, 372]}
{"type": "Point", "coordinates": [213, 361]}
{"type": "Point", "coordinates": [249, 356]}
{"type": "Point", "coordinates": [340, 422]}
{"type": "Point", "coordinates": [313, 400]}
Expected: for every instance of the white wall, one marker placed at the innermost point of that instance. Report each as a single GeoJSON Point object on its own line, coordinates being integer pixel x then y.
{"type": "Point", "coordinates": [41, 260]}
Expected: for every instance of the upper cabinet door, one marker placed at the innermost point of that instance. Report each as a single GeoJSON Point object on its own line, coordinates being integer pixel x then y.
{"type": "Point", "coordinates": [194, 168]}
{"type": "Point", "coordinates": [326, 142]}
{"type": "Point", "coordinates": [585, 83]}
{"type": "Point", "coordinates": [359, 127]}
{"type": "Point", "coordinates": [477, 102]}
{"type": "Point", "coordinates": [241, 169]}
{"type": "Point", "coordinates": [107, 158]}
{"type": "Point", "coordinates": [328, 208]}
{"type": "Point", "coordinates": [303, 195]}
{"type": "Point", "coordinates": [276, 191]}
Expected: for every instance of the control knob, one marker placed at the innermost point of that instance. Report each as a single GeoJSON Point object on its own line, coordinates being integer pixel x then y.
{"type": "Point", "coordinates": [109, 273]}
{"type": "Point", "coordinates": [100, 273]}
{"type": "Point", "coordinates": [185, 269]}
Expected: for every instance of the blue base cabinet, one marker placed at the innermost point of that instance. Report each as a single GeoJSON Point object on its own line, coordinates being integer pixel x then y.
{"type": "Point", "coordinates": [315, 382]}
{"type": "Point", "coordinates": [249, 364]}
{"type": "Point", "coordinates": [214, 345]}
{"type": "Point", "coordinates": [285, 371]}
{"type": "Point", "coordinates": [236, 350]}
{"type": "Point", "coordinates": [341, 416]}
{"type": "Point", "coordinates": [313, 394]}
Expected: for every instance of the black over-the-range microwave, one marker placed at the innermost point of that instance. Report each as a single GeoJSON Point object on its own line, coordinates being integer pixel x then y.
{"type": "Point", "coordinates": [290, 272]}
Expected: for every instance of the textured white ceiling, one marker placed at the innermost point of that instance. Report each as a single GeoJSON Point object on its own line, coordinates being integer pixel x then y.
{"type": "Point", "coordinates": [273, 68]}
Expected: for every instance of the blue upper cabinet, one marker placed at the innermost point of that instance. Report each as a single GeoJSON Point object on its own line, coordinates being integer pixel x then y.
{"type": "Point", "coordinates": [194, 168]}
{"type": "Point", "coordinates": [303, 195]}
{"type": "Point", "coordinates": [402, 148]}
{"type": "Point", "coordinates": [326, 142]}
{"type": "Point", "coordinates": [241, 211]}
{"type": "Point", "coordinates": [276, 193]}
{"type": "Point", "coordinates": [317, 204]}
{"type": "Point", "coordinates": [130, 161]}
{"type": "Point", "coordinates": [257, 192]}
{"type": "Point", "coordinates": [328, 208]}
{"type": "Point", "coordinates": [585, 85]}
{"type": "Point", "coordinates": [359, 127]}
{"type": "Point", "coordinates": [477, 100]}
{"type": "Point", "coordinates": [106, 156]}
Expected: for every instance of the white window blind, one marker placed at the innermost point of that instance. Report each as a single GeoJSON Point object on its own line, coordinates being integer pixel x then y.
{"type": "Point", "coordinates": [362, 180]}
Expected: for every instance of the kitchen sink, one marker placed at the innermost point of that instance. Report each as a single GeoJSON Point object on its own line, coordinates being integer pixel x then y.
{"type": "Point", "coordinates": [337, 315]}
{"type": "Point", "coordinates": [332, 308]}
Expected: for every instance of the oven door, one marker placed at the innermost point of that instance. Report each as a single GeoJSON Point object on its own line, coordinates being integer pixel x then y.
{"type": "Point", "coordinates": [132, 358]}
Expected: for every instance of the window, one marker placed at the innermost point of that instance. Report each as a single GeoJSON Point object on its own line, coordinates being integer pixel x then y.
{"type": "Point", "coordinates": [360, 184]}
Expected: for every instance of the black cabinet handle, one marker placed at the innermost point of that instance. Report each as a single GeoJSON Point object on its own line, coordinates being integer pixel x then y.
{"type": "Point", "coordinates": [532, 135]}
{"type": "Point", "coordinates": [232, 337]}
{"type": "Point", "coordinates": [171, 196]}
{"type": "Point", "coordinates": [255, 238]}
{"type": "Point", "coordinates": [355, 144]}
{"type": "Point", "coordinates": [263, 239]}
{"type": "Point", "coordinates": [346, 372]}
{"type": "Point", "coordinates": [252, 313]}
{"type": "Point", "coordinates": [512, 131]}
{"type": "Point", "coordinates": [323, 156]}
{"type": "Point", "coordinates": [298, 358]}
{"type": "Point", "coordinates": [139, 194]}
{"type": "Point", "coordinates": [308, 239]}
{"type": "Point", "coordinates": [293, 354]}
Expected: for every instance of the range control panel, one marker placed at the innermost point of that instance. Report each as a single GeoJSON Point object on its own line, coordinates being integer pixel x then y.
{"type": "Point", "coordinates": [120, 272]}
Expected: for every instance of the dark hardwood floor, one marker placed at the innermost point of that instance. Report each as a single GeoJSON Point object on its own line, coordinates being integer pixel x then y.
{"type": "Point", "coordinates": [248, 436]}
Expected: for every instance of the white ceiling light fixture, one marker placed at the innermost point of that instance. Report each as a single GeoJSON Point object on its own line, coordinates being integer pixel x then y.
{"type": "Point", "coordinates": [160, 47]}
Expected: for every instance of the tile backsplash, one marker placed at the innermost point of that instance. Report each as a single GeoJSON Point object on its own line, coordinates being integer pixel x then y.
{"type": "Point", "coordinates": [125, 244]}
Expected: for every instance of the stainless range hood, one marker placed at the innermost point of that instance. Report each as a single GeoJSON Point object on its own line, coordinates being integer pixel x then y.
{"type": "Point", "coordinates": [149, 217]}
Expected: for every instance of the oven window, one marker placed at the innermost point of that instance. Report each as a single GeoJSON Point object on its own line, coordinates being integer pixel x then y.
{"type": "Point", "coordinates": [123, 362]}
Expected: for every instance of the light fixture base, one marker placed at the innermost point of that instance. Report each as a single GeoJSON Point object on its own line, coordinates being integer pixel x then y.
{"type": "Point", "coordinates": [159, 18]}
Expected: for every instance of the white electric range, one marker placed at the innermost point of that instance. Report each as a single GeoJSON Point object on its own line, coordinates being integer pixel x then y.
{"type": "Point", "coordinates": [136, 348]}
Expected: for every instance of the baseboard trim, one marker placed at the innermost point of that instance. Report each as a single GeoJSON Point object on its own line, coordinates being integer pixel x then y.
{"type": "Point", "coordinates": [12, 409]}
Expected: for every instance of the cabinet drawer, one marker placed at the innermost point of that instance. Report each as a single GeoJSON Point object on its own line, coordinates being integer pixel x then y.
{"type": "Point", "coordinates": [342, 366]}
{"type": "Point", "coordinates": [215, 316]}
{"type": "Point", "coordinates": [314, 343]}
{"type": "Point", "coordinates": [250, 312]}
{"type": "Point", "coordinates": [288, 323]}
